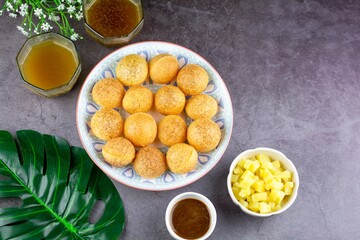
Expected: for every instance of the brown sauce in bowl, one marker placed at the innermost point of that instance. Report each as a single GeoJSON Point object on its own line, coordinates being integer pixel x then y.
{"type": "Point", "coordinates": [190, 219]}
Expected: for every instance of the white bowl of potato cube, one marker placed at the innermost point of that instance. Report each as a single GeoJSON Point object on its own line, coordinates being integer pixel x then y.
{"type": "Point", "coordinates": [263, 182]}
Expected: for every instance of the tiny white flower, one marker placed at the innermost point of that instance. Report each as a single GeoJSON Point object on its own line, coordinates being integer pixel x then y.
{"type": "Point", "coordinates": [24, 7]}
{"type": "Point", "coordinates": [46, 27]}
{"type": "Point", "coordinates": [70, 1]}
{"type": "Point", "coordinates": [71, 9]}
{"type": "Point", "coordinates": [1, 12]}
{"type": "Point", "coordinates": [79, 1]}
{"type": "Point", "coordinates": [74, 37]}
{"type": "Point", "coordinates": [21, 29]}
{"type": "Point", "coordinates": [9, 7]}
{"type": "Point", "coordinates": [79, 16]}
{"type": "Point", "coordinates": [13, 15]}
{"type": "Point", "coordinates": [38, 12]}
{"type": "Point", "coordinates": [61, 7]}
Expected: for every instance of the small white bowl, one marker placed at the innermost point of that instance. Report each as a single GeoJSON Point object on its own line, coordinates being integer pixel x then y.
{"type": "Point", "coordinates": [274, 154]}
{"type": "Point", "coordinates": [191, 195]}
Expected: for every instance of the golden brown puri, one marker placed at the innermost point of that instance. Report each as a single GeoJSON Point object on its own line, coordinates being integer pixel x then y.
{"type": "Point", "coordinates": [132, 70]}
{"type": "Point", "coordinates": [192, 79]}
{"type": "Point", "coordinates": [171, 130]}
{"type": "Point", "coordinates": [181, 158]}
{"type": "Point", "coordinates": [106, 124]}
{"type": "Point", "coordinates": [108, 92]}
{"type": "Point", "coordinates": [140, 129]}
{"type": "Point", "coordinates": [118, 152]}
{"type": "Point", "coordinates": [203, 134]}
{"type": "Point", "coordinates": [150, 162]}
{"type": "Point", "coordinates": [169, 100]}
{"type": "Point", "coordinates": [138, 99]}
{"type": "Point", "coordinates": [163, 68]}
{"type": "Point", "coordinates": [201, 106]}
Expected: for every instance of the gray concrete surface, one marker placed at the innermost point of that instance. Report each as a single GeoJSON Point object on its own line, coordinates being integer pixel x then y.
{"type": "Point", "coordinates": [293, 71]}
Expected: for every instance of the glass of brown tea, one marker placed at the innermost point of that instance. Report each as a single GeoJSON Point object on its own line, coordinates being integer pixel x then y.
{"type": "Point", "coordinates": [113, 22]}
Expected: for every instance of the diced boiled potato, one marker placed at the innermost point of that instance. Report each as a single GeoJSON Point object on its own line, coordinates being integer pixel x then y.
{"type": "Point", "coordinates": [267, 165]}
{"type": "Point", "coordinates": [267, 176]}
{"type": "Point", "coordinates": [264, 207]}
{"type": "Point", "coordinates": [276, 164]}
{"type": "Point", "coordinates": [276, 195]}
{"type": "Point", "coordinates": [288, 190]}
{"type": "Point", "coordinates": [247, 174]}
{"type": "Point", "coordinates": [258, 197]}
{"type": "Point", "coordinates": [276, 185]}
{"type": "Point", "coordinates": [254, 206]}
{"type": "Point", "coordinates": [234, 178]}
{"type": "Point", "coordinates": [259, 186]}
{"type": "Point", "coordinates": [263, 157]}
{"type": "Point", "coordinates": [238, 170]}
{"type": "Point", "coordinates": [285, 174]}
{"type": "Point", "coordinates": [243, 202]}
{"type": "Point", "coordinates": [247, 182]}
{"type": "Point", "coordinates": [247, 164]}
{"type": "Point", "coordinates": [289, 184]}
{"type": "Point", "coordinates": [237, 184]}
{"type": "Point", "coordinates": [244, 192]}
{"type": "Point", "coordinates": [254, 166]}
{"type": "Point", "coordinates": [241, 162]}
{"type": "Point", "coordinates": [272, 205]}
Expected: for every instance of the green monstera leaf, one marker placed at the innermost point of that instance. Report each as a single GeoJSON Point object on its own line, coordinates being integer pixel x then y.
{"type": "Point", "coordinates": [58, 186]}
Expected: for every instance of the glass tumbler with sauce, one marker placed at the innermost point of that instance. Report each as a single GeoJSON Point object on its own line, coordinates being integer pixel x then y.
{"type": "Point", "coordinates": [113, 22]}
{"type": "Point", "coordinates": [49, 64]}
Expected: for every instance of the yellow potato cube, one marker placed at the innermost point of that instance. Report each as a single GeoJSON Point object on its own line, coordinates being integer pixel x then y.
{"type": "Point", "coordinates": [254, 166]}
{"type": "Point", "coordinates": [272, 205]}
{"type": "Point", "coordinates": [264, 207]}
{"type": "Point", "coordinates": [289, 184]}
{"type": "Point", "coordinates": [263, 157]}
{"type": "Point", "coordinates": [276, 185]}
{"type": "Point", "coordinates": [241, 162]}
{"type": "Point", "coordinates": [234, 178]}
{"type": "Point", "coordinates": [237, 184]}
{"type": "Point", "coordinates": [285, 174]}
{"type": "Point", "coordinates": [276, 195]}
{"type": "Point", "coordinates": [276, 164]}
{"type": "Point", "coordinates": [247, 182]}
{"type": "Point", "coordinates": [248, 199]}
{"type": "Point", "coordinates": [247, 174]}
{"type": "Point", "coordinates": [243, 202]}
{"type": "Point", "coordinates": [267, 165]}
{"type": "Point", "coordinates": [277, 207]}
{"type": "Point", "coordinates": [288, 190]}
{"type": "Point", "coordinates": [259, 186]}
{"type": "Point", "coordinates": [244, 193]}
{"type": "Point", "coordinates": [254, 206]}
{"type": "Point", "coordinates": [258, 197]}
{"type": "Point", "coordinates": [238, 170]}
{"type": "Point", "coordinates": [247, 164]}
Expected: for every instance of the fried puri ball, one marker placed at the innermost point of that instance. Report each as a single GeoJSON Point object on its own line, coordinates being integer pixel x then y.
{"type": "Point", "coordinates": [169, 100]}
{"type": "Point", "coordinates": [140, 129]}
{"type": "Point", "coordinates": [132, 70]}
{"type": "Point", "coordinates": [203, 134]}
{"type": "Point", "coordinates": [171, 130]}
{"type": "Point", "coordinates": [192, 79]}
{"type": "Point", "coordinates": [201, 106]}
{"type": "Point", "coordinates": [150, 162]}
{"type": "Point", "coordinates": [138, 99]}
{"type": "Point", "coordinates": [108, 92]}
{"type": "Point", "coordinates": [118, 152]}
{"type": "Point", "coordinates": [181, 158]}
{"type": "Point", "coordinates": [107, 123]}
{"type": "Point", "coordinates": [163, 68]}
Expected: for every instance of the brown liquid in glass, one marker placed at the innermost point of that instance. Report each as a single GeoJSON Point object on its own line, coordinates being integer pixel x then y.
{"type": "Point", "coordinates": [113, 18]}
{"type": "Point", "coordinates": [49, 65]}
{"type": "Point", "coordinates": [190, 219]}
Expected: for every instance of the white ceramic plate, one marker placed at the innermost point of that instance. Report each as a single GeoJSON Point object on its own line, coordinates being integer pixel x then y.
{"type": "Point", "coordinates": [86, 107]}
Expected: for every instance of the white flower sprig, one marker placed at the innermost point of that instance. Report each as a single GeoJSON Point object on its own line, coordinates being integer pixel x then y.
{"type": "Point", "coordinates": [39, 15]}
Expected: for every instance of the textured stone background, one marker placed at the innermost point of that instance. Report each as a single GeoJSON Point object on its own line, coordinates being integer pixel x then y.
{"type": "Point", "coordinates": [293, 71]}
